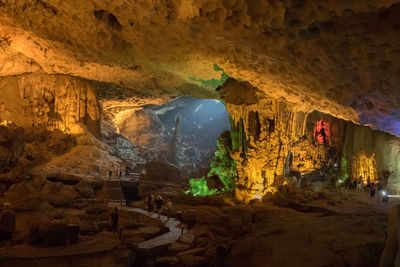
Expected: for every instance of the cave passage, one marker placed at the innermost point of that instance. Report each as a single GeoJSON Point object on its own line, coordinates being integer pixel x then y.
{"type": "Point", "coordinates": [182, 132]}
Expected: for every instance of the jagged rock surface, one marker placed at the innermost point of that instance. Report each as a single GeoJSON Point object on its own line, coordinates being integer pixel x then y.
{"type": "Point", "coordinates": [54, 101]}
{"type": "Point", "coordinates": [272, 140]}
{"type": "Point", "coordinates": [336, 56]}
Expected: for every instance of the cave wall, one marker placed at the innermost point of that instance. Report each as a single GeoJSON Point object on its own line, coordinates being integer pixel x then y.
{"type": "Point", "coordinates": [273, 140]}
{"type": "Point", "coordinates": [54, 101]}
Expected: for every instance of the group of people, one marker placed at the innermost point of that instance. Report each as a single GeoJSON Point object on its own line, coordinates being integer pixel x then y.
{"type": "Point", "coordinates": [375, 189]}
{"type": "Point", "coordinates": [157, 204]}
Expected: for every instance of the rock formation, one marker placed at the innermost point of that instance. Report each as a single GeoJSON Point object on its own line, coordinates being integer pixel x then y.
{"type": "Point", "coordinates": [55, 101]}
{"type": "Point", "coordinates": [272, 140]}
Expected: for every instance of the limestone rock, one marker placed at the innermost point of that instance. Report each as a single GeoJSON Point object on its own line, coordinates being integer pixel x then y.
{"type": "Point", "coordinates": [11, 146]}
{"type": "Point", "coordinates": [55, 101]}
{"type": "Point", "coordinates": [178, 246]}
{"type": "Point", "coordinates": [195, 251]}
{"type": "Point", "coordinates": [29, 194]}
{"type": "Point", "coordinates": [166, 262]}
{"type": "Point", "coordinates": [142, 128]}
{"type": "Point", "coordinates": [159, 171]}
{"type": "Point", "coordinates": [49, 234]}
{"type": "Point", "coordinates": [58, 194]}
{"type": "Point", "coordinates": [142, 232]}
{"type": "Point", "coordinates": [187, 238]}
{"type": "Point", "coordinates": [193, 261]}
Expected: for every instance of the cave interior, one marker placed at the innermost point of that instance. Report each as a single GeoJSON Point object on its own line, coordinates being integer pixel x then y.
{"type": "Point", "coordinates": [223, 133]}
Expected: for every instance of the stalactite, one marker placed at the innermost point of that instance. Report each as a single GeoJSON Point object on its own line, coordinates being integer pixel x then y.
{"type": "Point", "coordinates": [262, 158]}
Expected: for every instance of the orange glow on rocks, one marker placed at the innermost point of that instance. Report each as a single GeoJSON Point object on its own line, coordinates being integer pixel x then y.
{"type": "Point", "coordinates": [365, 166]}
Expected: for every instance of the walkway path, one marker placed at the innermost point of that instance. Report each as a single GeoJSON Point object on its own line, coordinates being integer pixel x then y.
{"type": "Point", "coordinates": [116, 198]}
{"type": "Point", "coordinates": [115, 195]}
{"type": "Point", "coordinates": [103, 242]}
{"type": "Point", "coordinates": [162, 240]}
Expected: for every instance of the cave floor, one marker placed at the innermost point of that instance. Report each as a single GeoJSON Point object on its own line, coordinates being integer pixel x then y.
{"type": "Point", "coordinates": [342, 229]}
{"type": "Point", "coordinates": [338, 229]}
{"type": "Point", "coordinates": [100, 243]}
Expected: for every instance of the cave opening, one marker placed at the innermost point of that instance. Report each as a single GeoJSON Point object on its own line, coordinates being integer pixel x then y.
{"type": "Point", "coordinates": [179, 136]}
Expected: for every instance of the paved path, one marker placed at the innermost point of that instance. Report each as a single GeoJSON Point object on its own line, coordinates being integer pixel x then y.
{"type": "Point", "coordinates": [172, 224]}
{"type": "Point", "coordinates": [162, 240]}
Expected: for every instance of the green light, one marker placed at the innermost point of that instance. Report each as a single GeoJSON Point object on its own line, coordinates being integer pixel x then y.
{"type": "Point", "coordinates": [198, 187]}
{"type": "Point", "coordinates": [213, 83]}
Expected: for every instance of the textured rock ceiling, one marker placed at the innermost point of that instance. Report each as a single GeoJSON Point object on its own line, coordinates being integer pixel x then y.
{"type": "Point", "coordinates": [337, 56]}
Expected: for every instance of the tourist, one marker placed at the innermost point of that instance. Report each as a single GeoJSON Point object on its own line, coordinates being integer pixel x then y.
{"type": "Point", "coordinates": [7, 225]}
{"type": "Point", "coordinates": [114, 221]}
{"type": "Point", "coordinates": [372, 191]}
{"type": "Point", "coordinates": [159, 205]}
{"type": "Point", "coordinates": [168, 208]}
{"type": "Point", "coordinates": [109, 174]}
{"type": "Point", "coordinates": [360, 182]}
{"type": "Point", "coordinates": [150, 202]}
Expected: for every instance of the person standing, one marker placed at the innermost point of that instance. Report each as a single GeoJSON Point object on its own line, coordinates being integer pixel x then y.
{"type": "Point", "coordinates": [7, 225]}
{"type": "Point", "coordinates": [168, 208]}
{"type": "Point", "coordinates": [114, 221]}
{"type": "Point", "coordinates": [372, 191]}
{"type": "Point", "coordinates": [360, 182]}
{"type": "Point", "coordinates": [159, 205]}
{"type": "Point", "coordinates": [150, 202]}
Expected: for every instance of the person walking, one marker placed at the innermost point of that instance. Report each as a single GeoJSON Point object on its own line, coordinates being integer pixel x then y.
{"type": "Point", "coordinates": [114, 221]}
{"type": "Point", "coordinates": [168, 208]}
{"type": "Point", "coordinates": [7, 225]}
{"type": "Point", "coordinates": [159, 205]}
{"type": "Point", "coordinates": [150, 203]}
{"type": "Point", "coordinates": [372, 191]}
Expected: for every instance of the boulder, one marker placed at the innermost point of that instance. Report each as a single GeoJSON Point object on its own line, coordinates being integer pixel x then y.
{"type": "Point", "coordinates": [187, 238]}
{"type": "Point", "coordinates": [195, 251]}
{"type": "Point", "coordinates": [142, 233]}
{"type": "Point", "coordinates": [193, 261]}
{"type": "Point", "coordinates": [166, 262]}
{"type": "Point", "coordinates": [60, 142]}
{"type": "Point", "coordinates": [178, 246]}
{"type": "Point", "coordinates": [58, 194]}
{"type": "Point", "coordinates": [214, 182]}
{"type": "Point", "coordinates": [162, 172]}
{"type": "Point", "coordinates": [48, 234]}
{"type": "Point", "coordinates": [85, 189]}
{"type": "Point", "coordinates": [11, 146]}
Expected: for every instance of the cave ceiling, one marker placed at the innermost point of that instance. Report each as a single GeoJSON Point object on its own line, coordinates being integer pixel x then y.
{"type": "Point", "coordinates": [339, 57]}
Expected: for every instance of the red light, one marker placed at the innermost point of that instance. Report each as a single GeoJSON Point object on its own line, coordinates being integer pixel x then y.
{"type": "Point", "coordinates": [322, 132]}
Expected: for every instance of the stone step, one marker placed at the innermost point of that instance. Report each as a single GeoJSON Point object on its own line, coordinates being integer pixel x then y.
{"type": "Point", "coordinates": [115, 194]}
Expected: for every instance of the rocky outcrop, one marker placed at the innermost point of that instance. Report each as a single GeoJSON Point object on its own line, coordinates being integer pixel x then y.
{"type": "Point", "coordinates": [54, 101]}
{"type": "Point", "coordinates": [162, 172]}
{"type": "Point", "coordinates": [273, 140]}
{"type": "Point", "coordinates": [11, 145]}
